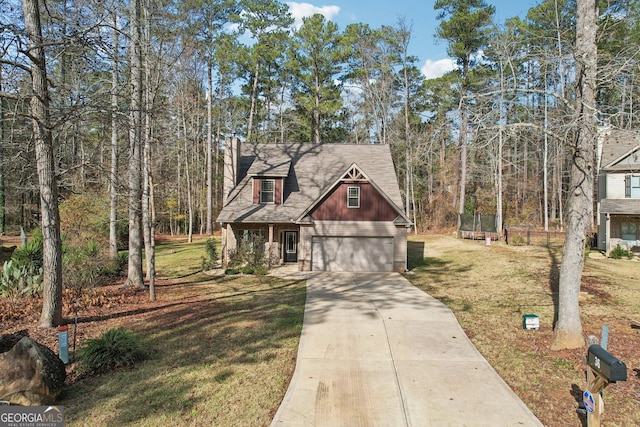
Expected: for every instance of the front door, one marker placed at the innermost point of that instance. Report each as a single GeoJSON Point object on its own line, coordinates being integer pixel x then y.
{"type": "Point", "coordinates": [290, 246]}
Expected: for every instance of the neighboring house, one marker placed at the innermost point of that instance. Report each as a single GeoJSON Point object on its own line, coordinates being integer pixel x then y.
{"type": "Point", "coordinates": [328, 207]}
{"type": "Point", "coordinates": [618, 202]}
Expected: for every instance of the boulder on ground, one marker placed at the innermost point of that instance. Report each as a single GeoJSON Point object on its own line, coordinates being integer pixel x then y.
{"type": "Point", "coordinates": [30, 374]}
{"type": "Point", "coordinates": [8, 341]}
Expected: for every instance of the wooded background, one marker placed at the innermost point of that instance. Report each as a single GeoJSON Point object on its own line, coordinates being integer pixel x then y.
{"type": "Point", "coordinates": [157, 86]}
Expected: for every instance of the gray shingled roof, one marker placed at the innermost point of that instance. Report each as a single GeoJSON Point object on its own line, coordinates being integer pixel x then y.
{"type": "Point", "coordinates": [618, 143]}
{"type": "Point", "coordinates": [276, 166]}
{"type": "Point", "coordinates": [313, 169]}
{"type": "Point", "coordinates": [620, 206]}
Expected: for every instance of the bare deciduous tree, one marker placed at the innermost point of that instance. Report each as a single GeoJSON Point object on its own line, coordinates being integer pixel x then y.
{"type": "Point", "coordinates": [568, 328]}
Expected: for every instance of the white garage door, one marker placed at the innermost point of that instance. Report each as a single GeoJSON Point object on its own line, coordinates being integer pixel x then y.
{"type": "Point", "coordinates": [358, 254]}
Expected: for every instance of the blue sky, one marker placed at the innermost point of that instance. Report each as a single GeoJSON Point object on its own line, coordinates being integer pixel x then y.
{"type": "Point", "coordinates": [419, 14]}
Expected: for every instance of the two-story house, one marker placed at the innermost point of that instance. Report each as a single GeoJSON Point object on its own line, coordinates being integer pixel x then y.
{"type": "Point", "coordinates": [618, 201]}
{"type": "Point", "coordinates": [327, 207]}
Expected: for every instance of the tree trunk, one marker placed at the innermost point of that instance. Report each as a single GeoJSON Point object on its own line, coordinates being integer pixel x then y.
{"type": "Point", "coordinates": [462, 144]}
{"type": "Point", "coordinates": [545, 166]}
{"type": "Point", "coordinates": [149, 224]}
{"type": "Point", "coordinates": [218, 139]}
{"type": "Point", "coordinates": [134, 275]}
{"type": "Point", "coordinates": [568, 329]}
{"type": "Point", "coordinates": [47, 183]}
{"type": "Point", "coordinates": [281, 113]}
{"type": "Point", "coordinates": [254, 95]}
{"type": "Point", "coordinates": [187, 177]}
{"type": "Point", "coordinates": [623, 101]}
{"type": "Point", "coordinates": [410, 202]}
{"type": "Point", "coordinates": [148, 238]}
{"type": "Point", "coordinates": [498, 173]}
{"type": "Point", "coordinates": [316, 112]}
{"type": "Point", "coordinates": [113, 189]}
{"type": "Point", "coordinates": [209, 224]}
{"type": "Point", "coordinates": [2, 144]}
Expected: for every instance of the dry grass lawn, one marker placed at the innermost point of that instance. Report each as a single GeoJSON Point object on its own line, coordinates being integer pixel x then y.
{"type": "Point", "coordinates": [491, 287]}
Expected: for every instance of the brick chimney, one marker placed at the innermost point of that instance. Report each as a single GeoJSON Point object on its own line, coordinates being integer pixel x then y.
{"type": "Point", "coordinates": [231, 166]}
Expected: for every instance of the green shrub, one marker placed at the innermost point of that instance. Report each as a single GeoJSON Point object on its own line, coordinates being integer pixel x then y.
{"type": "Point", "coordinates": [231, 271]}
{"type": "Point", "coordinates": [517, 240]}
{"type": "Point", "coordinates": [211, 260]}
{"type": "Point", "coordinates": [122, 235]}
{"type": "Point", "coordinates": [92, 249]}
{"type": "Point", "coordinates": [261, 271]}
{"type": "Point", "coordinates": [256, 255]}
{"type": "Point", "coordinates": [250, 253]}
{"type": "Point", "coordinates": [29, 254]}
{"type": "Point", "coordinates": [619, 253]}
{"type": "Point", "coordinates": [122, 261]}
{"type": "Point", "coordinates": [17, 281]}
{"type": "Point", "coordinates": [236, 258]}
{"type": "Point", "coordinates": [116, 348]}
{"type": "Point", "coordinates": [247, 270]}
{"type": "Point", "coordinates": [114, 267]}
{"type": "Point", "coordinates": [86, 267]}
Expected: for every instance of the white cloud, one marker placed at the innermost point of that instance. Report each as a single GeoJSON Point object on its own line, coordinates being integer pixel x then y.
{"type": "Point", "coordinates": [433, 69]}
{"type": "Point", "coordinates": [232, 27]}
{"type": "Point", "coordinates": [303, 10]}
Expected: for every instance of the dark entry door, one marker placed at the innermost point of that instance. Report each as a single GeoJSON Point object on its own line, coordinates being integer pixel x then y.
{"type": "Point", "coordinates": [290, 246]}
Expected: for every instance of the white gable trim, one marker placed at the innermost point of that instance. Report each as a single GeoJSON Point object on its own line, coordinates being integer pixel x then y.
{"type": "Point", "coordinates": [622, 157]}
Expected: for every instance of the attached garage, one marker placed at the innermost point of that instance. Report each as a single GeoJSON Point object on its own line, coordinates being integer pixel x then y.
{"type": "Point", "coordinates": [355, 254]}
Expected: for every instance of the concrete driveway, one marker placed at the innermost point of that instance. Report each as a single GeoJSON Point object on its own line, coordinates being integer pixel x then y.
{"type": "Point", "coordinates": [377, 351]}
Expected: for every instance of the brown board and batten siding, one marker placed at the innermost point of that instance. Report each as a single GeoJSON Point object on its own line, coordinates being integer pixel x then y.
{"type": "Point", "coordinates": [373, 207]}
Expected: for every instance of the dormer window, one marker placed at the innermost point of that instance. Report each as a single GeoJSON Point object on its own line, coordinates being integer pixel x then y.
{"type": "Point", "coordinates": [267, 190]}
{"type": "Point", "coordinates": [353, 197]}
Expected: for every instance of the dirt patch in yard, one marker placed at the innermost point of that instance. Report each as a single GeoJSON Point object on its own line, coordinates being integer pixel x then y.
{"type": "Point", "coordinates": [99, 309]}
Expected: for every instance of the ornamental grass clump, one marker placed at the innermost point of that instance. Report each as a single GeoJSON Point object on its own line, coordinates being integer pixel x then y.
{"type": "Point", "coordinates": [116, 348]}
{"type": "Point", "coordinates": [517, 240]}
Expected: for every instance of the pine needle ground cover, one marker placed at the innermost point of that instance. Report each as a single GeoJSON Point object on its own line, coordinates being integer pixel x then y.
{"type": "Point", "coordinates": [490, 288]}
{"type": "Point", "coordinates": [221, 350]}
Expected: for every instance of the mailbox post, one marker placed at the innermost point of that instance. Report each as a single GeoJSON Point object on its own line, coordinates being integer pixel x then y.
{"type": "Point", "coordinates": [603, 368]}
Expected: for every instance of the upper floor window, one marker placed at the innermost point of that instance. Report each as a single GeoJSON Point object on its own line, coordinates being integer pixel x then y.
{"type": "Point", "coordinates": [632, 186]}
{"type": "Point", "coordinates": [267, 190]}
{"type": "Point", "coordinates": [353, 197]}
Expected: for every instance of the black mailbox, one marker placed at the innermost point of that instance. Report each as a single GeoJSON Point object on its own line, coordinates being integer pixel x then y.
{"type": "Point", "coordinates": [606, 364]}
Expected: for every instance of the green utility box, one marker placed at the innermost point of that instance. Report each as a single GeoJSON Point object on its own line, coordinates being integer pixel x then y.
{"type": "Point", "coordinates": [530, 321]}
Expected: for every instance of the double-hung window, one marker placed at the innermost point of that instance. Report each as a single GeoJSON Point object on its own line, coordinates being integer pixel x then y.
{"type": "Point", "coordinates": [251, 238]}
{"type": "Point", "coordinates": [629, 231]}
{"type": "Point", "coordinates": [353, 197]}
{"type": "Point", "coordinates": [267, 190]}
{"type": "Point", "coordinates": [632, 186]}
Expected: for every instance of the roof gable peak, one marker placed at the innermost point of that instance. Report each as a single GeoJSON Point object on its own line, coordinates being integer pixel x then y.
{"type": "Point", "coordinates": [354, 173]}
